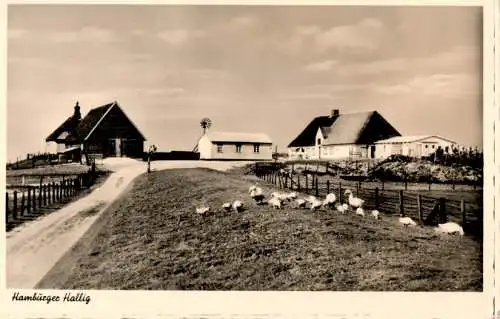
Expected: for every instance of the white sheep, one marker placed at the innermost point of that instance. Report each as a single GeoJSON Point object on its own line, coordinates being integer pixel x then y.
{"type": "Point", "coordinates": [202, 210]}
{"type": "Point", "coordinates": [275, 203]}
{"type": "Point", "coordinates": [226, 207]}
{"type": "Point", "coordinates": [354, 201]}
{"type": "Point", "coordinates": [345, 207]}
{"type": "Point", "coordinates": [237, 206]}
{"type": "Point", "coordinates": [301, 203]}
{"type": "Point", "coordinates": [360, 211]}
{"type": "Point", "coordinates": [407, 221]}
{"type": "Point", "coordinates": [252, 188]}
{"type": "Point", "coordinates": [450, 228]}
{"type": "Point", "coordinates": [375, 213]}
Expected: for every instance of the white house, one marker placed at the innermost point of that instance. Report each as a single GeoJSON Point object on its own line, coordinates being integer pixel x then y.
{"type": "Point", "coordinates": [341, 136]}
{"type": "Point", "coordinates": [414, 146]}
{"type": "Point", "coordinates": [235, 146]}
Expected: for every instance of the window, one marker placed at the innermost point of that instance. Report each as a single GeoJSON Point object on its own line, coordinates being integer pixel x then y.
{"type": "Point", "coordinates": [319, 141]}
{"type": "Point", "coordinates": [238, 148]}
{"type": "Point", "coordinates": [219, 148]}
{"type": "Point", "coordinates": [426, 146]}
{"type": "Point", "coordinates": [256, 148]}
{"type": "Point", "coordinates": [433, 146]}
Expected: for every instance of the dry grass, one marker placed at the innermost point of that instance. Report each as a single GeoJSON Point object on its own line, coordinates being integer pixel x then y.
{"type": "Point", "coordinates": [152, 239]}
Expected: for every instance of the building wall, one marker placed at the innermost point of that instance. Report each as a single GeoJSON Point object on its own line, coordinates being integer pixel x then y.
{"type": "Point", "coordinates": [413, 149]}
{"type": "Point", "coordinates": [330, 152]}
{"type": "Point", "coordinates": [229, 151]}
{"type": "Point", "coordinates": [205, 148]}
{"type": "Point", "coordinates": [116, 125]}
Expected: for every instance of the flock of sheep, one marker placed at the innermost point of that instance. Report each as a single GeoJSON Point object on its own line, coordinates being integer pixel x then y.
{"type": "Point", "coordinates": [278, 200]}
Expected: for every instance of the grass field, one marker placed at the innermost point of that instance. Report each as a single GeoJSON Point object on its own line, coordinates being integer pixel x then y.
{"type": "Point", "coordinates": [153, 239]}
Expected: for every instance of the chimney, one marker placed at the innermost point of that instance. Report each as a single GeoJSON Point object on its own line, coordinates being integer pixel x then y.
{"type": "Point", "coordinates": [77, 115]}
{"type": "Point", "coordinates": [334, 112]}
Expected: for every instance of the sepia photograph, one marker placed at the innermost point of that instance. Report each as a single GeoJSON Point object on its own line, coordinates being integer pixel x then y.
{"type": "Point", "coordinates": [244, 148]}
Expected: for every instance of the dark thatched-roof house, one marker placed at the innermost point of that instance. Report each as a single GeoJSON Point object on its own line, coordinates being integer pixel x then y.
{"type": "Point", "coordinates": [337, 136]}
{"type": "Point", "coordinates": [105, 131]}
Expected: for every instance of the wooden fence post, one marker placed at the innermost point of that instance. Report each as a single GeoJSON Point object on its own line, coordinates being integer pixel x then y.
{"type": "Point", "coordinates": [383, 185]}
{"type": "Point", "coordinates": [298, 182]}
{"type": "Point", "coordinates": [53, 185]}
{"type": "Point", "coordinates": [327, 183]}
{"type": "Point", "coordinates": [340, 192]}
{"type": "Point", "coordinates": [28, 206]}
{"type": "Point", "coordinates": [39, 196]}
{"type": "Point", "coordinates": [406, 183]}
{"type": "Point", "coordinates": [21, 212]}
{"type": "Point", "coordinates": [462, 210]}
{"type": "Point", "coordinates": [6, 205]}
{"type": "Point", "coordinates": [401, 204]}
{"type": "Point", "coordinates": [376, 198]}
{"type": "Point", "coordinates": [419, 209]}
{"type": "Point", "coordinates": [34, 197]}
{"type": "Point", "coordinates": [357, 189]}
{"type": "Point", "coordinates": [14, 207]}
{"type": "Point", "coordinates": [44, 188]}
{"type": "Point", "coordinates": [48, 194]}
{"type": "Point", "coordinates": [316, 186]}
{"type": "Point", "coordinates": [430, 183]}
{"type": "Point", "coordinates": [307, 183]}
{"type": "Point", "coordinates": [442, 210]}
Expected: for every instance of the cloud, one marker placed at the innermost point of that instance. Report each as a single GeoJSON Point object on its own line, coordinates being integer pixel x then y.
{"type": "Point", "coordinates": [163, 92]}
{"type": "Point", "coordinates": [180, 36]}
{"type": "Point", "coordinates": [209, 73]}
{"type": "Point", "coordinates": [449, 61]}
{"type": "Point", "coordinates": [308, 30]}
{"type": "Point", "coordinates": [442, 85]}
{"type": "Point", "coordinates": [321, 66]}
{"type": "Point", "coordinates": [16, 33]}
{"type": "Point", "coordinates": [243, 21]}
{"type": "Point", "coordinates": [363, 35]}
{"type": "Point", "coordinates": [86, 34]}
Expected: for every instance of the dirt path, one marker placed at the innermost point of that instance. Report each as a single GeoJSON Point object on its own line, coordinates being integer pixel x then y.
{"type": "Point", "coordinates": [34, 248]}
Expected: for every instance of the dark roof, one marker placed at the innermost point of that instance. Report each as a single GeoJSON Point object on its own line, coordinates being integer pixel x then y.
{"type": "Point", "coordinates": [91, 119]}
{"type": "Point", "coordinates": [307, 136]}
{"type": "Point", "coordinates": [78, 129]}
{"type": "Point", "coordinates": [349, 128]}
{"type": "Point", "coordinates": [69, 125]}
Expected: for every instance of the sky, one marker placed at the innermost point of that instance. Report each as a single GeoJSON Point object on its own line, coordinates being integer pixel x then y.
{"type": "Point", "coordinates": [268, 69]}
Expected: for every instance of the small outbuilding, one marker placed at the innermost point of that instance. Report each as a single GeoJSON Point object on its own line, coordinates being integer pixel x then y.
{"type": "Point", "coordinates": [235, 146]}
{"type": "Point", "coordinates": [413, 146]}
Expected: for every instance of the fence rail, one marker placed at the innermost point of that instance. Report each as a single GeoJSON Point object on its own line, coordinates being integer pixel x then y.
{"type": "Point", "coordinates": [23, 201]}
{"type": "Point", "coordinates": [427, 209]}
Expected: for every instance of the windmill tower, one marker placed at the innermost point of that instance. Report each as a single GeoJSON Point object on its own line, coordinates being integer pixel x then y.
{"type": "Point", "coordinates": [205, 124]}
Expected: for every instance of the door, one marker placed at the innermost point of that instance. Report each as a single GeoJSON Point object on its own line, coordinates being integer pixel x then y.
{"type": "Point", "coordinates": [419, 150]}
{"type": "Point", "coordinates": [372, 151]}
{"type": "Point", "coordinates": [118, 147]}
